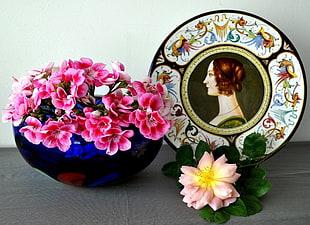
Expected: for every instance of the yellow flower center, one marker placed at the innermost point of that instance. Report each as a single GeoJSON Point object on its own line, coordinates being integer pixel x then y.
{"type": "Point", "coordinates": [205, 177]}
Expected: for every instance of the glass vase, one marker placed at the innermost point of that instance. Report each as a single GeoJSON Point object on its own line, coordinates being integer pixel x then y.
{"type": "Point", "coordinates": [84, 165]}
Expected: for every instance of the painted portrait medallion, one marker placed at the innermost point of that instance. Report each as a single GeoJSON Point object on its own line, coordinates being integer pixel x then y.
{"type": "Point", "coordinates": [230, 73]}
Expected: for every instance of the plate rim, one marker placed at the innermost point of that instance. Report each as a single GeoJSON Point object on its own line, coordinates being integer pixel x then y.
{"type": "Point", "coordinates": [285, 38]}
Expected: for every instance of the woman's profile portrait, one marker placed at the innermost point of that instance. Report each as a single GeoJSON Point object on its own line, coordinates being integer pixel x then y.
{"type": "Point", "coordinates": [223, 80]}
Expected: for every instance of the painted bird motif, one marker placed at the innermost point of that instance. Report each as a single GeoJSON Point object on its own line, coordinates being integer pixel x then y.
{"type": "Point", "coordinates": [182, 46]}
{"type": "Point", "coordinates": [286, 72]}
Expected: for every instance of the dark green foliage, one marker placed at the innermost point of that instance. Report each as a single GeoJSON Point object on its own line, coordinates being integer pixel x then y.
{"type": "Point", "coordinates": [232, 154]}
{"type": "Point", "coordinates": [251, 185]}
{"type": "Point", "coordinates": [254, 145]}
{"type": "Point", "coordinates": [201, 148]}
{"type": "Point", "coordinates": [185, 155]}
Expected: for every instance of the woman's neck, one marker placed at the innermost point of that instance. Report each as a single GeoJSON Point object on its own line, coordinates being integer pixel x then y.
{"type": "Point", "coordinates": [228, 107]}
{"type": "Point", "coordinates": [227, 104]}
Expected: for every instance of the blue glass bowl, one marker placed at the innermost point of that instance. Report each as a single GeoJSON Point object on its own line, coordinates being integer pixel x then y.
{"type": "Point", "coordinates": [84, 165]}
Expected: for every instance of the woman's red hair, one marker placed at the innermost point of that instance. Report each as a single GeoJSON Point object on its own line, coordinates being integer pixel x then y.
{"type": "Point", "coordinates": [229, 74]}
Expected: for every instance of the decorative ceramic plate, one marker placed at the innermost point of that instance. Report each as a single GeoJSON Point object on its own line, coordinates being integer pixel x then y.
{"type": "Point", "coordinates": [231, 73]}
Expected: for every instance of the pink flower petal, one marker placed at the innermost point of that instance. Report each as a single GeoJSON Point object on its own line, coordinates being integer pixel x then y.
{"type": "Point", "coordinates": [232, 179]}
{"type": "Point", "coordinates": [207, 197]}
{"type": "Point", "coordinates": [98, 66]}
{"type": "Point", "coordinates": [189, 170]}
{"type": "Point", "coordinates": [187, 180]}
{"type": "Point", "coordinates": [206, 161]}
{"type": "Point", "coordinates": [33, 121]}
{"type": "Point", "coordinates": [216, 203]}
{"type": "Point", "coordinates": [139, 87]}
{"type": "Point", "coordinates": [228, 201]}
{"type": "Point", "coordinates": [112, 148]}
{"type": "Point", "coordinates": [155, 102]}
{"type": "Point", "coordinates": [222, 190]}
{"type": "Point", "coordinates": [224, 171]}
{"type": "Point", "coordinates": [124, 144]}
{"type": "Point", "coordinates": [83, 63]}
{"type": "Point", "coordinates": [145, 99]}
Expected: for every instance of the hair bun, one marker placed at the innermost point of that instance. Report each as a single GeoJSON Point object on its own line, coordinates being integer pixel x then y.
{"type": "Point", "coordinates": [229, 75]}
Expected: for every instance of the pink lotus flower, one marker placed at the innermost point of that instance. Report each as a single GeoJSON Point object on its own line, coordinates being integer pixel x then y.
{"type": "Point", "coordinates": [210, 183]}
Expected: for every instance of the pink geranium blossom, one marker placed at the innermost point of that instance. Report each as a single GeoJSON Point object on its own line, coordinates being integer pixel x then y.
{"type": "Point", "coordinates": [32, 130]}
{"type": "Point", "coordinates": [40, 86]}
{"type": "Point", "coordinates": [210, 183]}
{"type": "Point", "coordinates": [22, 86]}
{"type": "Point", "coordinates": [75, 78]}
{"type": "Point", "coordinates": [56, 102]}
{"type": "Point", "coordinates": [83, 63]}
{"type": "Point", "coordinates": [57, 134]}
{"type": "Point", "coordinates": [149, 119]}
{"type": "Point", "coordinates": [151, 125]}
{"type": "Point", "coordinates": [95, 73]}
{"type": "Point", "coordinates": [114, 139]}
{"type": "Point", "coordinates": [8, 113]}
{"type": "Point", "coordinates": [140, 88]}
{"type": "Point", "coordinates": [45, 70]}
{"type": "Point", "coordinates": [119, 107]}
{"type": "Point", "coordinates": [119, 69]}
{"type": "Point", "coordinates": [96, 125]}
{"type": "Point", "coordinates": [23, 105]}
{"type": "Point", "coordinates": [62, 100]}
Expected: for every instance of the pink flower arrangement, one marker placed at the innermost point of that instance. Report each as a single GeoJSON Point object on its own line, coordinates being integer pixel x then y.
{"type": "Point", "coordinates": [56, 102]}
{"type": "Point", "coordinates": [210, 183]}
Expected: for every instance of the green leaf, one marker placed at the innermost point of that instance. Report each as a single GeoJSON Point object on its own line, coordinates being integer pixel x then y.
{"type": "Point", "coordinates": [254, 145]}
{"type": "Point", "coordinates": [252, 204]}
{"type": "Point", "coordinates": [257, 187]}
{"type": "Point", "coordinates": [123, 84]}
{"type": "Point", "coordinates": [171, 169]}
{"type": "Point", "coordinates": [185, 155]}
{"type": "Point", "coordinates": [220, 216]}
{"type": "Point", "coordinates": [201, 148]}
{"type": "Point", "coordinates": [178, 184]}
{"type": "Point", "coordinates": [257, 172]}
{"type": "Point", "coordinates": [238, 208]}
{"type": "Point", "coordinates": [232, 154]}
{"type": "Point", "coordinates": [207, 213]}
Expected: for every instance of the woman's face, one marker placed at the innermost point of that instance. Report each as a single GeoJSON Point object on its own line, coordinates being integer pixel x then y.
{"type": "Point", "coordinates": [210, 82]}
